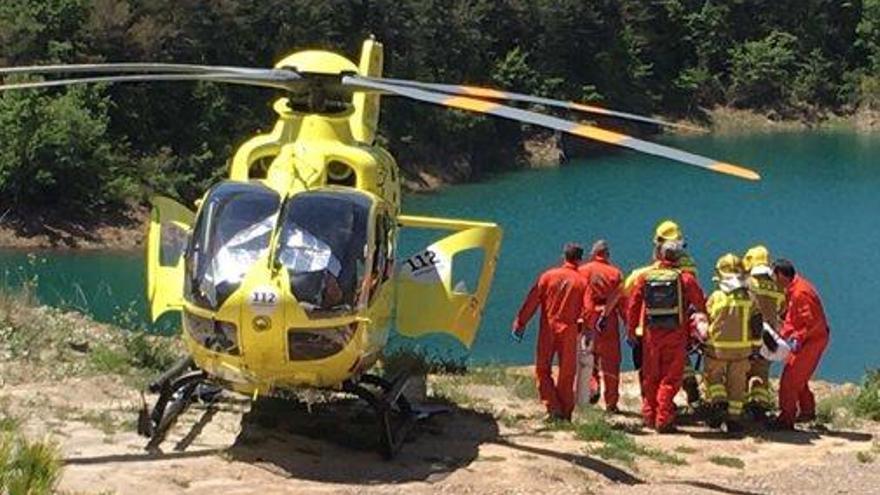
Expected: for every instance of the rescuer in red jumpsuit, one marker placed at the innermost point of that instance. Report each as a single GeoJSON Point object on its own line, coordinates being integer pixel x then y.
{"type": "Point", "coordinates": [806, 331]}
{"type": "Point", "coordinates": [603, 310]}
{"type": "Point", "coordinates": [560, 292]}
{"type": "Point", "coordinates": [660, 302]}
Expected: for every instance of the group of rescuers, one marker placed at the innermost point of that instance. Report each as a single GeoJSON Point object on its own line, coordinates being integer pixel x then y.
{"type": "Point", "coordinates": [761, 310]}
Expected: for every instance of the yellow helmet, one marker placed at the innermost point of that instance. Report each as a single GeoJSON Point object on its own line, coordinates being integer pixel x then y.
{"type": "Point", "coordinates": [729, 264]}
{"type": "Point", "coordinates": [756, 256]}
{"type": "Point", "coordinates": [667, 230]}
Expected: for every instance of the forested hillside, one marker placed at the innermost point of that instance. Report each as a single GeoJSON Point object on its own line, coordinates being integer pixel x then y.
{"type": "Point", "coordinates": [102, 146]}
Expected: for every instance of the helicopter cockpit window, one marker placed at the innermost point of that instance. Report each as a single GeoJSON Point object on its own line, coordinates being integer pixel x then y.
{"type": "Point", "coordinates": [381, 266]}
{"type": "Point", "coordinates": [232, 232]}
{"type": "Point", "coordinates": [323, 247]}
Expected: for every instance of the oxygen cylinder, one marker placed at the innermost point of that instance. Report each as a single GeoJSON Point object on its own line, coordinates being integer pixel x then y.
{"type": "Point", "coordinates": [585, 361]}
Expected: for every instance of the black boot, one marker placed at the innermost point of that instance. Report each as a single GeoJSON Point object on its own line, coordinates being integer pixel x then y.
{"type": "Point", "coordinates": [692, 389]}
{"type": "Point", "coordinates": [715, 414]}
{"type": "Point", "coordinates": [733, 426]}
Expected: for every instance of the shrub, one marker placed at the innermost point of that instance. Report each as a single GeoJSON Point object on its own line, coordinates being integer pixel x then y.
{"type": "Point", "coordinates": [26, 467]}
{"type": "Point", "coordinates": [867, 404]}
{"type": "Point", "coordinates": [56, 151]}
{"type": "Point", "coordinates": [762, 70]}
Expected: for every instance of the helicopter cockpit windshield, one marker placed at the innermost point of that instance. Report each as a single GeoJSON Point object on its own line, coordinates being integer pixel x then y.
{"type": "Point", "coordinates": [231, 234]}
{"type": "Point", "coordinates": [323, 244]}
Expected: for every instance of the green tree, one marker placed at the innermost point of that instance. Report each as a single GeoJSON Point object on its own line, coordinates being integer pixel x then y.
{"type": "Point", "coordinates": [56, 151]}
{"type": "Point", "coordinates": [761, 70]}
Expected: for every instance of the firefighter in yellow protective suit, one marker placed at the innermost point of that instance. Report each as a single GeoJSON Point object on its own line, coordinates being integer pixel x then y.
{"type": "Point", "coordinates": [733, 320]}
{"type": "Point", "coordinates": [667, 230]}
{"type": "Point", "coordinates": [770, 298]}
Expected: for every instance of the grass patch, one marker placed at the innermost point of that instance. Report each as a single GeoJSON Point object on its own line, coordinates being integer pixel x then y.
{"type": "Point", "coordinates": [52, 343]}
{"type": "Point", "coordinates": [662, 456]}
{"type": "Point", "coordinates": [104, 359]}
{"type": "Point", "coordinates": [837, 409]}
{"type": "Point", "coordinates": [682, 449]}
{"type": "Point", "coordinates": [513, 420]}
{"type": "Point", "coordinates": [457, 394]}
{"type": "Point", "coordinates": [617, 445]}
{"type": "Point", "coordinates": [418, 361]}
{"type": "Point", "coordinates": [520, 385]}
{"type": "Point", "coordinates": [103, 420]}
{"type": "Point", "coordinates": [731, 462]}
{"type": "Point", "coordinates": [26, 467]}
{"type": "Point", "coordinates": [455, 387]}
{"type": "Point", "coordinates": [869, 456]}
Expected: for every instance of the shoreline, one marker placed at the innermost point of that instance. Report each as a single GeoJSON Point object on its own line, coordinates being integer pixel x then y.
{"type": "Point", "coordinates": [125, 231]}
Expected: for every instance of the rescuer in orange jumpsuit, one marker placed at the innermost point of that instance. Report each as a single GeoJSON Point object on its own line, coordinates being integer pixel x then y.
{"type": "Point", "coordinates": [667, 230]}
{"type": "Point", "coordinates": [602, 309]}
{"type": "Point", "coordinates": [560, 292]}
{"type": "Point", "coordinates": [806, 331]}
{"type": "Point", "coordinates": [659, 303]}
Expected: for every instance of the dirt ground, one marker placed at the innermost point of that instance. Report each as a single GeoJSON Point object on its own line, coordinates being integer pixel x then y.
{"type": "Point", "coordinates": [500, 446]}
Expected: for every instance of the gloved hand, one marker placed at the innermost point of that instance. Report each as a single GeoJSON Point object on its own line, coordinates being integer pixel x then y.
{"type": "Point", "coordinates": [793, 344]}
{"type": "Point", "coordinates": [601, 323]}
{"type": "Point", "coordinates": [516, 334]}
{"type": "Point", "coordinates": [701, 325]}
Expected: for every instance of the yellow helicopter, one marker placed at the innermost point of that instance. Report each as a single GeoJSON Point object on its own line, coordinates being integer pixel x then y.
{"type": "Point", "coordinates": [288, 274]}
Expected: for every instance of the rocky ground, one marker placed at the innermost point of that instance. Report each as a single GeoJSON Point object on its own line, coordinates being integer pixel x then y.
{"type": "Point", "coordinates": [493, 440]}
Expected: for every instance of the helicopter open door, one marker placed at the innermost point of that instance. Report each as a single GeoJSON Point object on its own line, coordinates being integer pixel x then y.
{"type": "Point", "coordinates": [170, 229]}
{"type": "Point", "coordinates": [428, 299]}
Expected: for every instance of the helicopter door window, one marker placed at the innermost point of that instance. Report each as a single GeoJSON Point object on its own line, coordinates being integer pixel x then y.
{"type": "Point", "coordinates": [232, 232]}
{"type": "Point", "coordinates": [322, 245]}
{"type": "Point", "coordinates": [173, 239]}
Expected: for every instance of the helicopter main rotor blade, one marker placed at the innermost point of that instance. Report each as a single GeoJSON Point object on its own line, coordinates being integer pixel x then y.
{"type": "Point", "coordinates": [494, 94]}
{"type": "Point", "coordinates": [567, 126]}
{"type": "Point", "coordinates": [284, 80]}
{"type": "Point", "coordinates": [138, 67]}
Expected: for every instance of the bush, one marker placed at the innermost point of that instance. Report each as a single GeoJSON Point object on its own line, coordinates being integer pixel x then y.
{"type": "Point", "coordinates": [762, 70]}
{"type": "Point", "coordinates": [56, 151]}
{"type": "Point", "coordinates": [27, 468]}
{"type": "Point", "coordinates": [867, 404]}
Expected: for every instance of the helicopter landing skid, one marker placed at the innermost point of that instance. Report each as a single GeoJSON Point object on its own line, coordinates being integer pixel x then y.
{"type": "Point", "coordinates": [176, 388]}
{"type": "Point", "coordinates": [394, 414]}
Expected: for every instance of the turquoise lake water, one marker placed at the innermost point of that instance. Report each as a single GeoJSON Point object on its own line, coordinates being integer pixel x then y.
{"type": "Point", "coordinates": [817, 205]}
